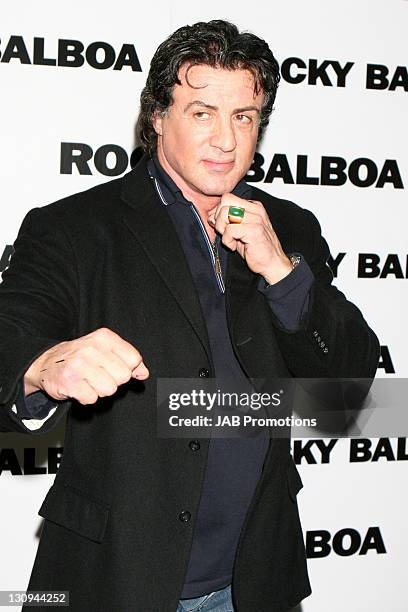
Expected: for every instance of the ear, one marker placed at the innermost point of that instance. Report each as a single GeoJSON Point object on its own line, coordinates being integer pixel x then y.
{"type": "Point", "coordinates": [157, 122]}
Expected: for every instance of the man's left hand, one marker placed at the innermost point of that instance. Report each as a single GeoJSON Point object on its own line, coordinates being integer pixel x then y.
{"type": "Point", "coordinates": [254, 238]}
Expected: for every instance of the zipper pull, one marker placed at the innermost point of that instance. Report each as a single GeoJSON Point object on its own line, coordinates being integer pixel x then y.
{"type": "Point", "coordinates": [217, 257]}
{"type": "Point", "coordinates": [217, 265]}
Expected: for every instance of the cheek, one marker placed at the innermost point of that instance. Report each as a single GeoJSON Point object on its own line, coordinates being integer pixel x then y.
{"type": "Point", "coordinates": [189, 142]}
{"type": "Point", "coordinates": [246, 147]}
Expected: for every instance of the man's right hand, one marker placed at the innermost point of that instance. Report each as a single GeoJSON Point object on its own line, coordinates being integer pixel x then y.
{"type": "Point", "coordinates": [86, 368]}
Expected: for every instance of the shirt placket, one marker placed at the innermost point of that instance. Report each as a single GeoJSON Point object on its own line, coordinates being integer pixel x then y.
{"type": "Point", "coordinates": [211, 247]}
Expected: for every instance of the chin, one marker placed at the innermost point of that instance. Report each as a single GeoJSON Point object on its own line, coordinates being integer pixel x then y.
{"type": "Point", "coordinates": [218, 187]}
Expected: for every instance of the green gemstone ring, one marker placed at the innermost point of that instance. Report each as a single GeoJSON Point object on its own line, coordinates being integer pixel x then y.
{"type": "Point", "coordinates": [236, 214]}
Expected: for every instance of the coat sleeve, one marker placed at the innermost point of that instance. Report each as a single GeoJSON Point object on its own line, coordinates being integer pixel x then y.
{"type": "Point", "coordinates": [334, 340]}
{"type": "Point", "coordinates": [38, 309]}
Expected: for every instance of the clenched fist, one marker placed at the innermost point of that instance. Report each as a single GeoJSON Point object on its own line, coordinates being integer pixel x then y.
{"type": "Point", "coordinates": [86, 368]}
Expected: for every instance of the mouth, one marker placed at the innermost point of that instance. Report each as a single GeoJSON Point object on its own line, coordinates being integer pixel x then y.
{"type": "Point", "coordinates": [218, 166]}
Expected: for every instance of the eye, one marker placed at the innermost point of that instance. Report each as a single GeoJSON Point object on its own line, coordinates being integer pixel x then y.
{"type": "Point", "coordinates": [202, 115]}
{"type": "Point", "coordinates": [245, 119]}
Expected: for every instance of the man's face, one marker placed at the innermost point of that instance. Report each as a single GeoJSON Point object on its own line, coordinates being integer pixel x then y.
{"type": "Point", "coordinates": [207, 138]}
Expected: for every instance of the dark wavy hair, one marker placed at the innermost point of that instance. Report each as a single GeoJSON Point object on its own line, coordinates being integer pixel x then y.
{"type": "Point", "coordinates": [214, 43]}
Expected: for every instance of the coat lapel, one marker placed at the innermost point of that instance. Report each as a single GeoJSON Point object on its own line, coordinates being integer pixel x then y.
{"type": "Point", "coordinates": [147, 218]}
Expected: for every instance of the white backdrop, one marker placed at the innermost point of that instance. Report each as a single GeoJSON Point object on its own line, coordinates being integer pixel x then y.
{"type": "Point", "coordinates": [43, 106]}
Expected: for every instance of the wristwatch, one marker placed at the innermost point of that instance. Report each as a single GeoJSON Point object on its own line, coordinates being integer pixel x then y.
{"type": "Point", "coordinates": [294, 260]}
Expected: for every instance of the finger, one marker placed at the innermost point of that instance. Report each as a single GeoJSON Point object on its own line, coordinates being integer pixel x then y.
{"type": "Point", "coordinates": [101, 381]}
{"type": "Point", "coordinates": [127, 353]}
{"type": "Point", "coordinates": [94, 356]}
{"type": "Point", "coordinates": [246, 233]}
{"type": "Point", "coordinates": [119, 349]}
{"type": "Point", "coordinates": [140, 372]}
{"type": "Point", "coordinates": [222, 220]}
{"type": "Point", "coordinates": [96, 376]}
{"type": "Point", "coordinates": [119, 370]}
{"type": "Point", "coordinates": [115, 365]}
{"type": "Point", "coordinates": [108, 340]}
{"type": "Point", "coordinates": [229, 199]}
{"type": "Point", "coordinates": [249, 206]}
{"type": "Point", "coordinates": [84, 393]}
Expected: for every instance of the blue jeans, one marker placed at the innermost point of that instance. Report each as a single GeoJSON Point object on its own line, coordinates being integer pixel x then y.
{"type": "Point", "coordinates": [218, 601]}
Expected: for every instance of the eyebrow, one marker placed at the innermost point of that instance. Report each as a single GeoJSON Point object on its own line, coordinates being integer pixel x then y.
{"type": "Point", "coordinates": [244, 109]}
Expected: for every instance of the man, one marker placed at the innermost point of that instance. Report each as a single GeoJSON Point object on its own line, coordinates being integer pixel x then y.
{"type": "Point", "coordinates": [177, 270]}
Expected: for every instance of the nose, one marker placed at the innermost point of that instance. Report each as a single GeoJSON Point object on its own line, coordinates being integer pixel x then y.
{"type": "Point", "coordinates": [223, 136]}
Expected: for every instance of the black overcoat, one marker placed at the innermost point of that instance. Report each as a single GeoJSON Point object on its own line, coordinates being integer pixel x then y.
{"type": "Point", "coordinates": [110, 257]}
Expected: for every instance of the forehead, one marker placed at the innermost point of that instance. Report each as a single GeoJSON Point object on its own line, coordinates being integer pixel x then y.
{"type": "Point", "coordinates": [205, 82]}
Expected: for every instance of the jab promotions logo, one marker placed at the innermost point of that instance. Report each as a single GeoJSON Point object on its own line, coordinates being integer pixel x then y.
{"type": "Point", "coordinates": [69, 53]}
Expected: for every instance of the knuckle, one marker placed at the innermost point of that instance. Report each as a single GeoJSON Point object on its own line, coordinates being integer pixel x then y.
{"type": "Point", "coordinates": [136, 364]}
{"type": "Point", "coordinates": [67, 375]}
{"type": "Point", "coordinates": [85, 395]}
{"type": "Point", "coordinates": [89, 399]}
{"type": "Point", "coordinates": [59, 393]}
{"type": "Point", "coordinates": [110, 389]}
{"type": "Point", "coordinates": [88, 350]}
{"type": "Point", "coordinates": [114, 388]}
{"type": "Point", "coordinates": [76, 363]}
{"type": "Point", "coordinates": [136, 356]}
{"type": "Point", "coordinates": [123, 377]}
{"type": "Point", "coordinates": [103, 333]}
